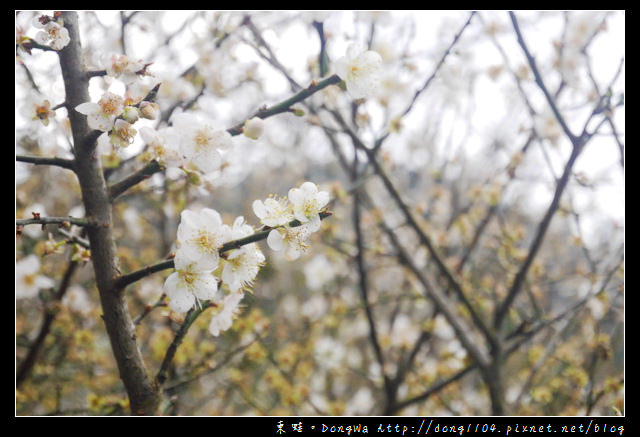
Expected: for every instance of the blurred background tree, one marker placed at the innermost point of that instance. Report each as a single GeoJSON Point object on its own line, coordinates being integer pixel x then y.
{"type": "Point", "coordinates": [473, 262]}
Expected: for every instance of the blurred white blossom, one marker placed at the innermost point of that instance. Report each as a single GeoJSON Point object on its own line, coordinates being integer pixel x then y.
{"type": "Point", "coordinates": [52, 34]}
{"type": "Point", "coordinates": [318, 272]}
{"type": "Point", "coordinates": [201, 142]}
{"type": "Point", "coordinates": [360, 69]}
{"type": "Point", "coordinates": [223, 320]}
{"type": "Point", "coordinates": [28, 278]}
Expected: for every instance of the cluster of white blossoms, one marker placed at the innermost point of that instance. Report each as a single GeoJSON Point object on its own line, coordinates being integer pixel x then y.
{"type": "Point", "coordinates": [53, 34]}
{"type": "Point", "coordinates": [199, 266]}
{"type": "Point", "coordinates": [303, 204]}
{"type": "Point", "coordinates": [202, 273]}
{"type": "Point", "coordinates": [114, 114]}
{"type": "Point", "coordinates": [191, 144]}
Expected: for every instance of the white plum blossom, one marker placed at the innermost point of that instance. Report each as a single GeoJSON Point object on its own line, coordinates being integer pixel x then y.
{"type": "Point", "coordinates": [120, 66]}
{"type": "Point", "coordinates": [122, 134]}
{"type": "Point", "coordinates": [191, 282]}
{"type": "Point", "coordinates": [28, 278]}
{"type": "Point", "coordinates": [161, 146]}
{"type": "Point", "coordinates": [201, 234]}
{"type": "Point", "coordinates": [291, 240]}
{"type": "Point", "coordinates": [272, 212]}
{"type": "Point", "coordinates": [102, 115]}
{"type": "Point", "coordinates": [76, 300]}
{"type": "Point", "coordinates": [404, 333]}
{"type": "Point", "coordinates": [547, 126]}
{"type": "Point", "coordinates": [304, 204]}
{"type": "Point", "coordinates": [360, 69]}
{"type": "Point", "coordinates": [224, 318]}
{"type": "Point", "coordinates": [442, 329]}
{"type": "Point", "coordinates": [241, 265]}
{"type": "Point", "coordinates": [318, 272]}
{"type": "Point", "coordinates": [52, 34]}
{"type": "Point", "coordinates": [38, 108]}
{"type": "Point", "coordinates": [307, 202]}
{"type": "Point", "coordinates": [201, 142]}
{"type": "Point", "coordinates": [329, 353]}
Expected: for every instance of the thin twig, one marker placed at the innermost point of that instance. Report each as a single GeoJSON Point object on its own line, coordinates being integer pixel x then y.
{"type": "Point", "coordinates": [64, 221]}
{"type": "Point", "coordinates": [539, 81]}
{"type": "Point", "coordinates": [412, 222]}
{"type": "Point", "coordinates": [428, 81]}
{"type": "Point", "coordinates": [190, 317]}
{"type": "Point", "coordinates": [148, 308]}
{"type": "Point", "coordinates": [578, 144]}
{"type": "Point", "coordinates": [25, 367]}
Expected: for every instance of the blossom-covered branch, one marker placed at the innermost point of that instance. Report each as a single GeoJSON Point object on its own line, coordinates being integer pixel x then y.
{"type": "Point", "coordinates": [260, 235]}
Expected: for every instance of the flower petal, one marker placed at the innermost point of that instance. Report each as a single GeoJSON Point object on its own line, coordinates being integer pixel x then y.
{"type": "Point", "coordinates": [88, 108]}
{"type": "Point", "coordinates": [274, 240]}
{"type": "Point", "coordinates": [180, 299]}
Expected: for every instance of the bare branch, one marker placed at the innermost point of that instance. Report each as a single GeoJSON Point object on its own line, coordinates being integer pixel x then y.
{"type": "Point", "coordinates": [64, 221]}
{"type": "Point", "coordinates": [412, 222]}
{"type": "Point", "coordinates": [24, 369]}
{"type": "Point", "coordinates": [191, 317]}
{"type": "Point", "coordinates": [39, 160]}
{"type": "Point", "coordinates": [540, 82]}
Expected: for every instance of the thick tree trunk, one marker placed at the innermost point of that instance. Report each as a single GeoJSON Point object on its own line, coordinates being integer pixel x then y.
{"type": "Point", "coordinates": [142, 389]}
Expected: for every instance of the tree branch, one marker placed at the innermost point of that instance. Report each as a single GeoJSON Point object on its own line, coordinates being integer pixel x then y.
{"type": "Point", "coordinates": [125, 280]}
{"type": "Point", "coordinates": [64, 221]}
{"type": "Point", "coordinates": [191, 317]}
{"type": "Point", "coordinates": [578, 144]}
{"type": "Point", "coordinates": [117, 188]}
{"type": "Point", "coordinates": [411, 221]}
{"type": "Point", "coordinates": [141, 388]}
{"type": "Point", "coordinates": [39, 160]}
{"type": "Point", "coordinates": [436, 69]}
{"type": "Point", "coordinates": [539, 81]}
{"type": "Point", "coordinates": [25, 367]}
{"type": "Point", "coordinates": [363, 287]}
{"type": "Point", "coordinates": [285, 106]}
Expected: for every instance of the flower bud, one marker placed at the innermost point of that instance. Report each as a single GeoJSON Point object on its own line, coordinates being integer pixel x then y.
{"type": "Point", "coordinates": [131, 114]}
{"type": "Point", "coordinates": [253, 128]}
{"type": "Point", "coordinates": [149, 110]}
{"type": "Point", "coordinates": [297, 112]}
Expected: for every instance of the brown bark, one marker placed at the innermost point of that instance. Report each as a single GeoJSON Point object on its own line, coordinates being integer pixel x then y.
{"type": "Point", "coordinates": [142, 389]}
